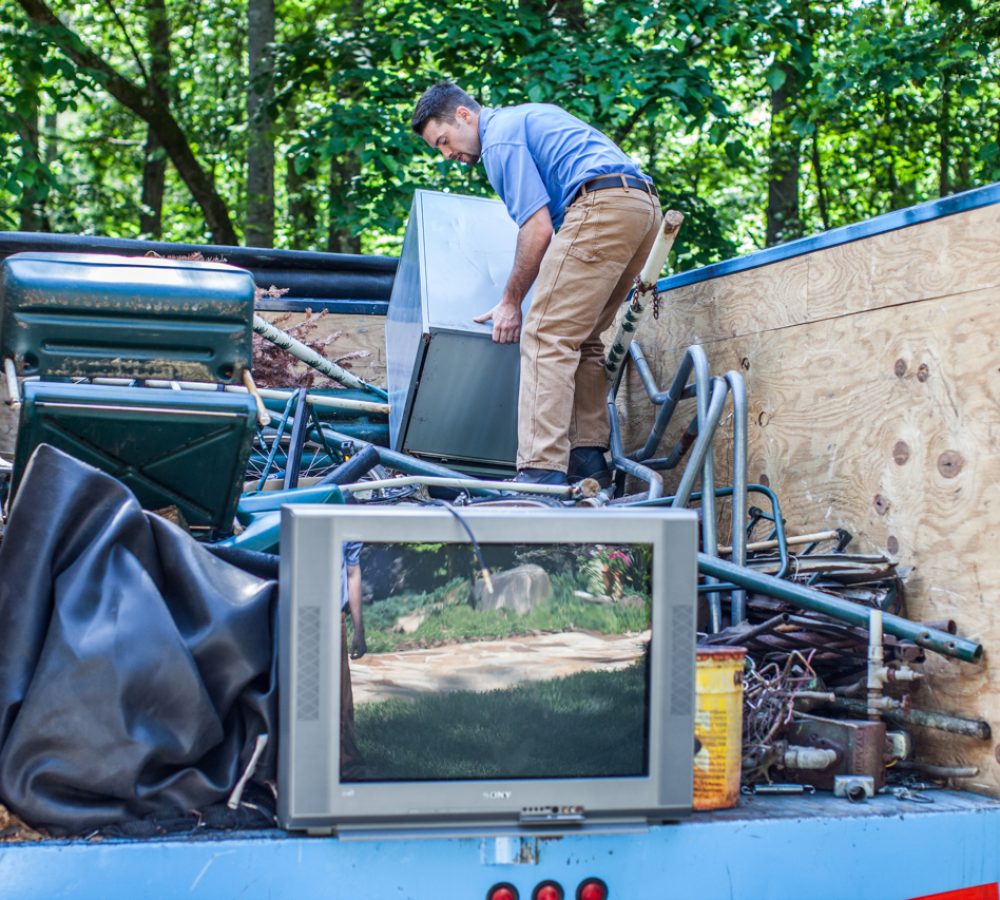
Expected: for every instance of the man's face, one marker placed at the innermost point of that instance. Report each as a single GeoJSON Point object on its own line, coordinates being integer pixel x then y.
{"type": "Point", "coordinates": [458, 140]}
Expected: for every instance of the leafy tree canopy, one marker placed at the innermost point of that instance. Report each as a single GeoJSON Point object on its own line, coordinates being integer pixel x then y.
{"type": "Point", "coordinates": [862, 106]}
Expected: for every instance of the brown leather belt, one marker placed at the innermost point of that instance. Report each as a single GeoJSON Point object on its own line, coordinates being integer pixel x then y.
{"type": "Point", "coordinates": [615, 181]}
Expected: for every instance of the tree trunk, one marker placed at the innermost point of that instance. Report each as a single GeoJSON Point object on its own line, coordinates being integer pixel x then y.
{"type": "Point", "coordinates": [260, 144]}
{"type": "Point", "coordinates": [339, 238]}
{"type": "Point", "coordinates": [154, 170]}
{"type": "Point", "coordinates": [303, 216]}
{"type": "Point", "coordinates": [944, 138]}
{"type": "Point", "coordinates": [783, 219]}
{"type": "Point", "coordinates": [824, 211]}
{"type": "Point", "coordinates": [147, 107]}
{"type": "Point", "coordinates": [31, 215]}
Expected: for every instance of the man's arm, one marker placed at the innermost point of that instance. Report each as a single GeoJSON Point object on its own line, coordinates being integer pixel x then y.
{"type": "Point", "coordinates": [533, 239]}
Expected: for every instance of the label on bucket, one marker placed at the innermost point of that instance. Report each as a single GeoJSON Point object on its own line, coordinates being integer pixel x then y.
{"type": "Point", "coordinates": [718, 728]}
{"type": "Point", "coordinates": [714, 782]}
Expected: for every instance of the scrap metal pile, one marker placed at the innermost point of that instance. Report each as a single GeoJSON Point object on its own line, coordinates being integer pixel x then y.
{"type": "Point", "coordinates": [831, 656]}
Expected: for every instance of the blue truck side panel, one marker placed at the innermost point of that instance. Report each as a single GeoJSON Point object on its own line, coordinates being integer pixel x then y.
{"type": "Point", "coordinates": [770, 849]}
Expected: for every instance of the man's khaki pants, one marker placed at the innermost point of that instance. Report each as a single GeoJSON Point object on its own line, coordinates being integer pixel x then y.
{"type": "Point", "coordinates": [584, 277]}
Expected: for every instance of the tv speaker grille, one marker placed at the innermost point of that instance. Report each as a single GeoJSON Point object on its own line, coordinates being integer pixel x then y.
{"type": "Point", "coordinates": [307, 658]}
{"type": "Point", "coordinates": [681, 662]}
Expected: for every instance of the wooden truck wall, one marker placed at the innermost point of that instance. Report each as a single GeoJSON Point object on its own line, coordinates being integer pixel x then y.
{"type": "Point", "coordinates": [873, 372]}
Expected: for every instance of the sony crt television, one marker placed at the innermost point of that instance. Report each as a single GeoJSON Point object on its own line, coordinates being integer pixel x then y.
{"type": "Point", "coordinates": [555, 689]}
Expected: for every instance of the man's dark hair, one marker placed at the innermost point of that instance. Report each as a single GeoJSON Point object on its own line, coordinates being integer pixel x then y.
{"type": "Point", "coordinates": [440, 102]}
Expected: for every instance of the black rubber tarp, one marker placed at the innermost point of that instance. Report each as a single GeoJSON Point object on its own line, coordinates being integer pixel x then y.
{"type": "Point", "coordinates": [136, 668]}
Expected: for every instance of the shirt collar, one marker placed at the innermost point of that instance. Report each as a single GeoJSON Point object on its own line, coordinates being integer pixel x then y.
{"type": "Point", "coordinates": [485, 114]}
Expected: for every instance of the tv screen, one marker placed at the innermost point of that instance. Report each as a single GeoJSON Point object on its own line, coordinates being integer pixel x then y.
{"type": "Point", "coordinates": [540, 674]}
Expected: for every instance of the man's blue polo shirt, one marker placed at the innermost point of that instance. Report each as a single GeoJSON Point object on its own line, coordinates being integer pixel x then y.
{"type": "Point", "coordinates": [538, 155]}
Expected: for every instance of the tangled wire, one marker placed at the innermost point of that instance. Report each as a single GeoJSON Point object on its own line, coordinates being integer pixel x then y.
{"type": "Point", "coordinates": [768, 705]}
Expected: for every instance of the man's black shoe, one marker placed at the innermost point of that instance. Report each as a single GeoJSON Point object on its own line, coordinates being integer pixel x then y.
{"type": "Point", "coordinates": [540, 476]}
{"type": "Point", "coordinates": [589, 462]}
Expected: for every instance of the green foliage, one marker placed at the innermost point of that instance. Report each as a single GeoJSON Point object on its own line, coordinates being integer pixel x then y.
{"type": "Point", "coordinates": [891, 102]}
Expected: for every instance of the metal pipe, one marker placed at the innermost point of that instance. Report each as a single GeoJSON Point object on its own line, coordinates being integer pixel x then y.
{"type": "Point", "coordinates": [667, 401]}
{"type": "Point", "coordinates": [620, 462]}
{"type": "Point", "coordinates": [709, 413]}
{"type": "Point", "coordinates": [684, 443]}
{"type": "Point", "coordinates": [645, 374]}
{"type": "Point", "coordinates": [402, 462]}
{"type": "Point", "coordinates": [352, 469]}
{"type": "Point", "coordinates": [935, 771]}
{"type": "Point", "coordinates": [794, 541]}
{"type": "Point", "coordinates": [567, 491]}
{"type": "Point", "coordinates": [974, 728]}
{"type": "Point", "coordinates": [321, 400]}
{"type": "Point", "coordinates": [779, 522]}
{"type": "Point", "coordinates": [738, 393]}
{"type": "Point", "coordinates": [312, 359]}
{"type": "Point", "coordinates": [876, 662]}
{"type": "Point", "coordinates": [701, 451]}
{"type": "Point", "coordinates": [837, 608]}
{"type": "Point", "coordinates": [644, 290]}
{"type": "Point", "coordinates": [737, 637]}
{"type": "Point", "coordinates": [709, 536]}
{"type": "Point", "coordinates": [276, 445]}
{"type": "Point", "coordinates": [796, 757]}
{"type": "Point", "coordinates": [297, 440]}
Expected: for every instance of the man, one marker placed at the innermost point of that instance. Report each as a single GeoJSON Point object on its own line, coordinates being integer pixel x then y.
{"type": "Point", "coordinates": [586, 218]}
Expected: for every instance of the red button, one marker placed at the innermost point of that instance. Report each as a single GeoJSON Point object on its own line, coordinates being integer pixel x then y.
{"type": "Point", "coordinates": [548, 892]}
{"type": "Point", "coordinates": [593, 890]}
{"type": "Point", "coordinates": [502, 892]}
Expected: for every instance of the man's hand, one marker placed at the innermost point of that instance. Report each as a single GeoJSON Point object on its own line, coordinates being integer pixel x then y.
{"type": "Point", "coordinates": [533, 239]}
{"type": "Point", "coordinates": [506, 322]}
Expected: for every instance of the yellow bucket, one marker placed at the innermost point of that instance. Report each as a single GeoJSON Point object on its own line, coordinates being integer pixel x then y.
{"type": "Point", "coordinates": [718, 726]}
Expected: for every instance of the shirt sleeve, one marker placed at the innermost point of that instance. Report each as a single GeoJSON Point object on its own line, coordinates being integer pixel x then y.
{"type": "Point", "coordinates": [352, 553]}
{"type": "Point", "coordinates": [516, 179]}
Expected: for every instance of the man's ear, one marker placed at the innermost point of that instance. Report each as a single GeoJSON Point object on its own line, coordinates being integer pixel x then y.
{"type": "Point", "coordinates": [463, 113]}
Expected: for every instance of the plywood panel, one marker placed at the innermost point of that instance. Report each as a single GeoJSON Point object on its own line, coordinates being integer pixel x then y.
{"type": "Point", "coordinates": [887, 423]}
{"type": "Point", "coordinates": [756, 300]}
{"type": "Point", "coordinates": [953, 255]}
{"type": "Point", "coordinates": [947, 256]}
{"type": "Point", "coordinates": [358, 341]}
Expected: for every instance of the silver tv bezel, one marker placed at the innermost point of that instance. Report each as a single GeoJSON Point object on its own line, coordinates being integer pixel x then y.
{"type": "Point", "coordinates": [311, 796]}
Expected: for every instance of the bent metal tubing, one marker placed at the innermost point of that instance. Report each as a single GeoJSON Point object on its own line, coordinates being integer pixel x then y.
{"type": "Point", "coordinates": [809, 598]}
{"type": "Point", "coordinates": [667, 400]}
{"type": "Point", "coordinates": [780, 541]}
{"type": "Point", "coordinates": [401, 462]}
{"type": "Point", "coordinates": [622, 463]}
{"type": "Point", "coordinates": [565, 491]}
{"type": "Point", "coordinates": [738, 391]}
